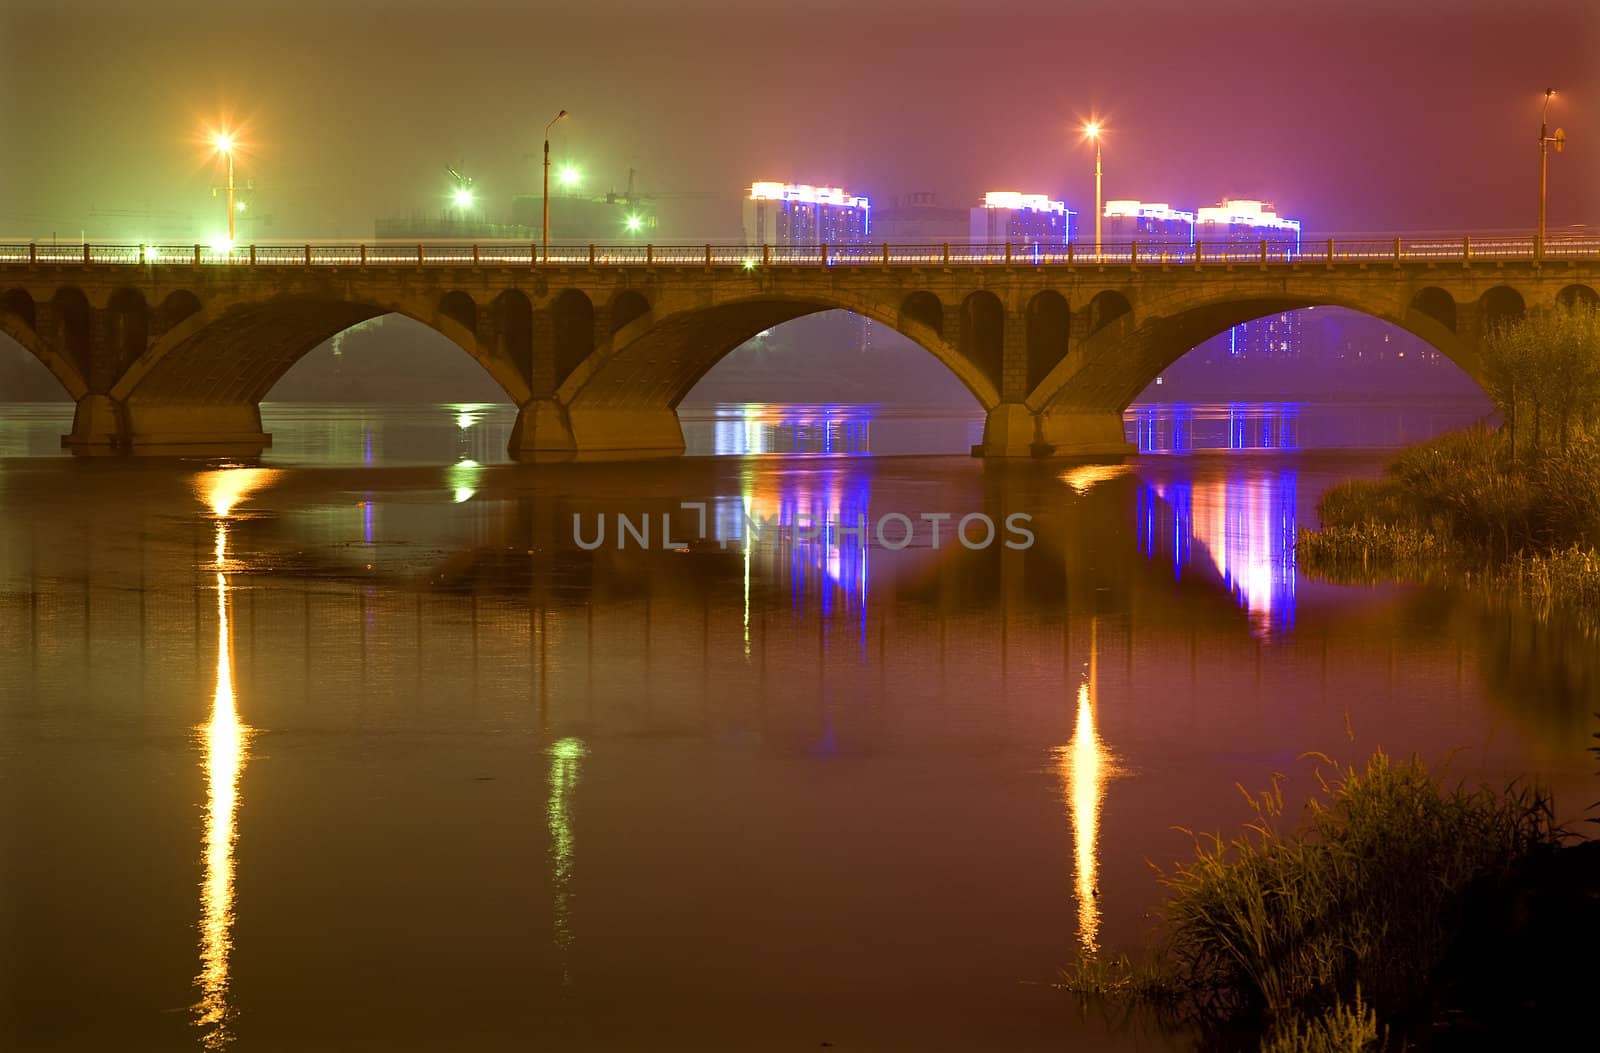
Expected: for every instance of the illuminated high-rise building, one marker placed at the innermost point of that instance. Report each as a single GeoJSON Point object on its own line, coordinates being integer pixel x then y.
{"type": "Point", "coordinates": [1146, 223]}
{"type": "Point", "coordinates": [1009, 217]}
{"type": "Point", "coordinates": [1236, 220]}
{"type": "Point", "coordinates": [1276, 334]}
{"type": "Point", "coordinates": [802, 214]}
{"type": "Point", "coordinates": [1252, 222]}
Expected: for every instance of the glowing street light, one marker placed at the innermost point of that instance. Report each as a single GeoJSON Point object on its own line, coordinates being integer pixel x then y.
{"type": "Point", "coordinates": [1545, 139]}
{"type": "Point", "coordinates": [546, 231]}
{"type": "Point", "coordinates": [634, 222]}
{"type": "Point", "coordinates": [462, 198]}
{"type": "Point", "coordinates": [1092, 130]}
{"type": "Point", "coordinates": [222, 142]}
{"type": "Point", "coordinates": [570, 176]}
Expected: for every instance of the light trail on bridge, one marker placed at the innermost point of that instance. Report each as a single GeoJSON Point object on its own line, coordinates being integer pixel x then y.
{"type": "Point", "coordinates": [1462, 248]}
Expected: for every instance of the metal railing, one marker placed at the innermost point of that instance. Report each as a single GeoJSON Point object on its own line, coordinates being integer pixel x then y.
{"type": "Point", "coordinates": [1154, 253]}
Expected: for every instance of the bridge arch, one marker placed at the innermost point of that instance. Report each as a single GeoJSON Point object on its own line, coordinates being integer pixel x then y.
{"type": "Point", "coordinates": [127, 326]}
{"type": "Point", "coordinates": [983, 332]}
{"type": "Point", "coordinates": [1109, 369]}
{"type": "Point", "coordinates": [512, 313]}
{"type": "Point", "coordinates": [627, 306]}
{"type": "Point", "coordinates": [572, 329]}
{"type": "Point", "coordinates": [460, 308]}
{"type": "Point", "coordinates": [177, 308]}
{"type": "Point", "coordinates": [1049, 324]}
{"type": "Point", "coordinates": [19, 306]}
{"type": "Point", "coordinates": [231, 352]}
{"type": "Point", "coordinates": [1499, 306]}
{"type": "Point", "coordinates": [1106, 307]}
{"type": "Point", "coordinates": [1436, 304]}
{"type": "Point", "coordinates": [923, 308]}
{"type": "Point", "coordinates": [652, 369]}
{"type": "Point", "coordinates": [72, 327]}
{"type": "Point", "coordinates": [19, 320]}
{"type": "Point", "coordinates": [1578, 295]}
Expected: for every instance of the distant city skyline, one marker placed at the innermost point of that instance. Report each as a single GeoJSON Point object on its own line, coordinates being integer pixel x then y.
{"type": "Point", "coordinates": [1361, 116]}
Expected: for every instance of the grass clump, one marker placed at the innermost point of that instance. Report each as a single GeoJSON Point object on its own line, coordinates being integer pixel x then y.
{"type": "Point", "coordinates": [1358, 897]}
{"type": "Point", "coordinates": [1339, 1029]}
{"type": "Point", "coordinates": [1359, 914]}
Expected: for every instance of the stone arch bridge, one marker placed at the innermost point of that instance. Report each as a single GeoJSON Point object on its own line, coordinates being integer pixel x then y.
{"type": "Point", "coordinates": [167, 355]}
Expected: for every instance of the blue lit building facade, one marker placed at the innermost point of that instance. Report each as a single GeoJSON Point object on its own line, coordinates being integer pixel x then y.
{"type": "Point", "coordinates": [1147, 223]}
{"type": "Point", "coordinates": [1239, 221]}
{"type": "Point", "coordinates": [1024, 220]}
{"type": "Point", "coordinates": [802, 214]}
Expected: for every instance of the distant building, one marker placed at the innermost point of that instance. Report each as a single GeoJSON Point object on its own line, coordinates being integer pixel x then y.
{"type": "Point", "coordinates": [1009, 217]}
{"type": "Point", "coordinates": [417, 227]}
{"type": "Point", "coordinates": [919, 219]}
{"type": "Point", "coordinates": [1146, 223]}
{"type": "Point", "coordinates": [802, 214]}
{"type": "Point", "coordinates": [611, 219]}
{"type": "Point", "coordinates": [1235, 221]}
{"type": "Point", "coordinates": [1276, 334]}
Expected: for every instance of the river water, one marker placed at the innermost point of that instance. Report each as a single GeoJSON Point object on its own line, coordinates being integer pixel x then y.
{"type": "Point", "coordinates": [360, 749]}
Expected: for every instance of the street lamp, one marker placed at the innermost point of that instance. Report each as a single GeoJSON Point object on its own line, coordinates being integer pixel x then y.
{"type": "Point", "coordinates": [1092, 130]}
{"type": "Point", "coordinates": [223, 142]}
{"type": "Point", "coordinates": [546, 231]}
{"type": "Point", "coordinates": [569, 176]}
{"type": "Point", "coordinates": [1545, 139]}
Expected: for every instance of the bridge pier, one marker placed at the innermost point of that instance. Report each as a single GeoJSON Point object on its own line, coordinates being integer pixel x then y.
{"type": "Point", "coordinates": [101, 425]}
{"type": "Point", "coordinates": [1083, 434]}
{"type": "Point", "coordinates": [1011, 430]}
{"type": "Point", "coordinates": [546, 428]}
{"type": "Point", "coordinates": [542, 429]}
{"type": "Point", "coordinates": [603, 433]}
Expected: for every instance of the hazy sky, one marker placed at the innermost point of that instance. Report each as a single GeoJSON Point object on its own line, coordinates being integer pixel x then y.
{"type": "Point", "coordinates": [1354, 115]}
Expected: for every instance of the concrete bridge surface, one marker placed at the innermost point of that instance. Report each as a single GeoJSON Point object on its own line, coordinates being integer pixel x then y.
{"type": "Point", "coordinates": [171, 350]}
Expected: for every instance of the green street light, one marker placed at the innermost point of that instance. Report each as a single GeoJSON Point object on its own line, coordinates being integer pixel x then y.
{"type": "Point", "coordinates": [463, 198]}
{"type": "Point", "coordinates": [634, 223]}
{"type": "Point", "coordinates": [569, 176]}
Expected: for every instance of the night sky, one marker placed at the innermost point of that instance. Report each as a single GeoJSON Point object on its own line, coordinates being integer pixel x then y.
{"type": "Point", "coordinates": [1349, 114]}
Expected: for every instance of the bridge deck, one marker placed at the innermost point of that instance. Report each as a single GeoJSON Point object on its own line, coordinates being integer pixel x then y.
{"type": "Point", "coordinates": [1429, 249]}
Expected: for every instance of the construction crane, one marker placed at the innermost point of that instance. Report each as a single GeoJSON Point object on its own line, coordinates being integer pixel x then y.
{"type": "Point", "coordinates": [462, 195]}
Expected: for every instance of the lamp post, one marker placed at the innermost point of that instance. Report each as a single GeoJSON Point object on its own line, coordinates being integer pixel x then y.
{"type": "Point", "coordinates": [546, 229]}
{"type": "Point", "coordinates": [1092, 130]}
{"type": "Point", "coordinates": [1545, 139]}
{"type": "Point", "coordinates": [224, 145]}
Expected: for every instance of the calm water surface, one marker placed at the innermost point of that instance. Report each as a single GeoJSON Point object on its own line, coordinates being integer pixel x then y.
{"type": "Point", "coordinates": [358, 750]}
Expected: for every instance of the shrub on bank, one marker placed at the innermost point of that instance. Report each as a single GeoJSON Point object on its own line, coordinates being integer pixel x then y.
{"type": "Point", "coordinates": [1361, 914]}
{"type": "Point", "coordinates": [1526, 528]}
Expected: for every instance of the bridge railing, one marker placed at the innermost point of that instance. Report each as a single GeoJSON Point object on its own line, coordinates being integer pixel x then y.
{"type": "Point", "coordinates": [1154, 253]}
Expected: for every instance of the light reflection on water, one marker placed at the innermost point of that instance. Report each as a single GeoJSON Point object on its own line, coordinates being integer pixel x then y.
{"type": "Point", "coordinates": [224, 742]}
{"type": "Point", "coordinates": [1086, 764]}
{"type": "Point", "coordinates": [1244, 525]}
{"type": "Point", "coordinates": [453, 433]}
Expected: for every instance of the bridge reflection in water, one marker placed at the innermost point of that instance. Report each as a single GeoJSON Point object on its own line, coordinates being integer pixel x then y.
{"type": "Point", "coordinates": [999, 738]}
{"type": "Point", "coordinates": [1181, 427]}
